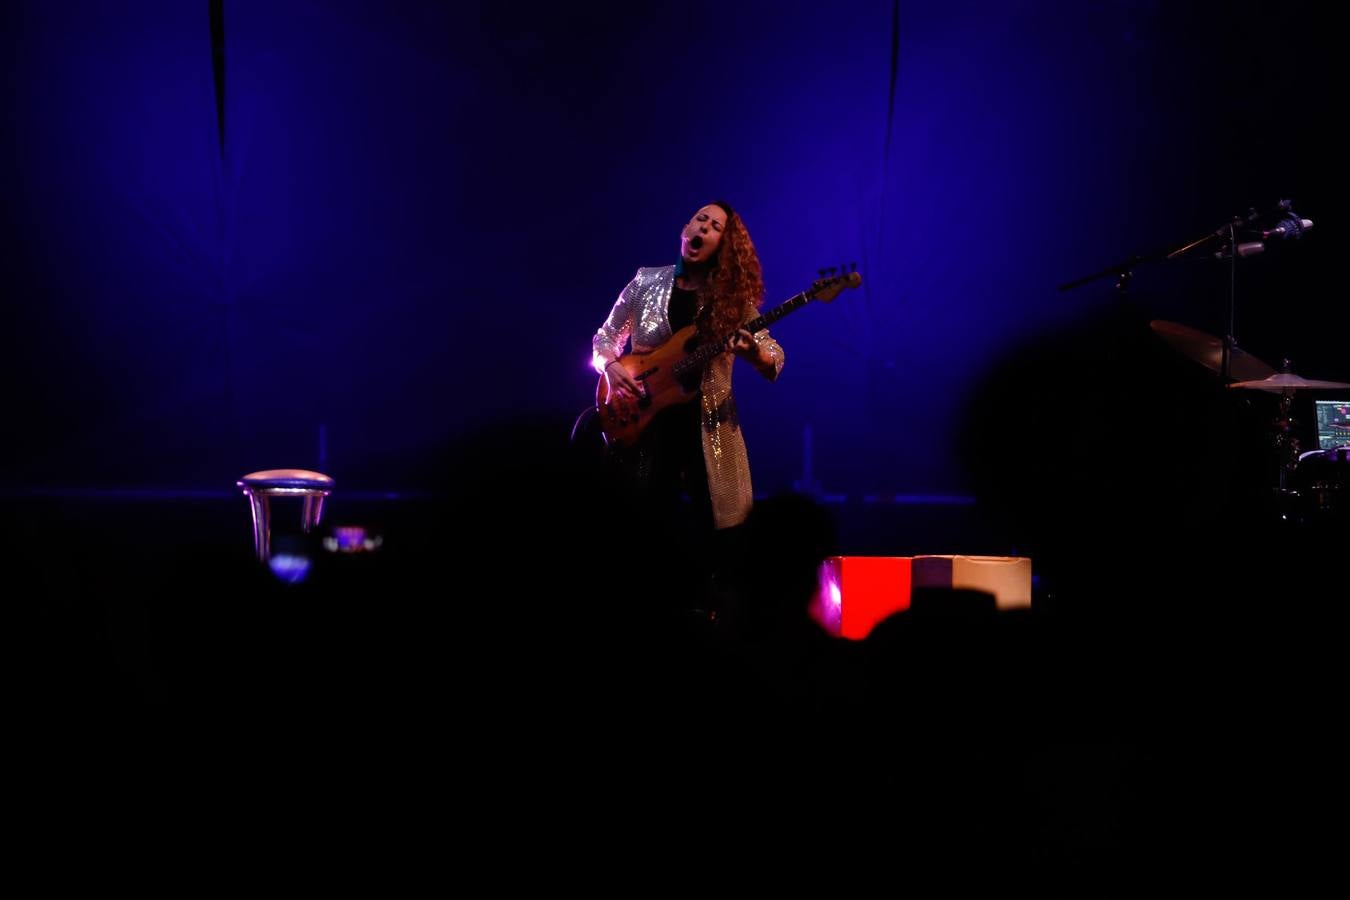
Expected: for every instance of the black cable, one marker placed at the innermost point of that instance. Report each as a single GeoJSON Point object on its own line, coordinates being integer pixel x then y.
{"type": "Point", "coordinates": [895, 71]}
{"type": "Point", "coordinates": [216, 12]}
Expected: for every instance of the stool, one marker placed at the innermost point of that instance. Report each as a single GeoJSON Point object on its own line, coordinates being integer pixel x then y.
{"type": "Point", "coordinates": [261, 487]}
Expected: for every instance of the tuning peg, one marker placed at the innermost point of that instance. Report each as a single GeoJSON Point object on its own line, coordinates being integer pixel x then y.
{"type": "Point", "coordinates": [820, 272]}
{"type": "Point", "coordinates": [831, 270]}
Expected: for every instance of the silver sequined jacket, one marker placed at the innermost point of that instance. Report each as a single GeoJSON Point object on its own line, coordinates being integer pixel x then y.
{"type": "Point", "coordinates": [642, 314]}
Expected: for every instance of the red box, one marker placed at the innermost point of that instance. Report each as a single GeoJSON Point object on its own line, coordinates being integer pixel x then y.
{"type": "Point", "coordinates": [857, 592]}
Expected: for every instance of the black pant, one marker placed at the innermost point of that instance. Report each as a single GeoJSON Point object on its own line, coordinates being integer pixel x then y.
{"type": "Point", "coordinates": [663, 482]}
{"type": "Point", "coordinates": [663, 474]}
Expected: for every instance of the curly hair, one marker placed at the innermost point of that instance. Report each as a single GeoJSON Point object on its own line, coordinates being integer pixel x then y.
{"type": "Point", "coordinates": [734, 282]}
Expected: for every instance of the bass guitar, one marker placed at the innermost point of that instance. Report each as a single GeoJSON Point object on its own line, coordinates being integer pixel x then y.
{"type": "Point", "coordinates": [671, 374]}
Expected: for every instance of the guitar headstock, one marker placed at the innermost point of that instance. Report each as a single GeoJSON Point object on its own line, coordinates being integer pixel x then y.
{"type": "Point", "coordinates": [829, 285]}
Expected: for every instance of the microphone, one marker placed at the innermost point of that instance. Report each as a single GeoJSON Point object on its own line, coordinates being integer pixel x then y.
{"type": "Point", "coordinates": [1292, 227]}
{"type": "Point", "coordinates": [1250, 248]}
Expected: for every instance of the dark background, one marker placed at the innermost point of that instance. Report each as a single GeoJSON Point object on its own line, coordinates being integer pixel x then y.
{"type": "Point", "coordinates": [419, 213]}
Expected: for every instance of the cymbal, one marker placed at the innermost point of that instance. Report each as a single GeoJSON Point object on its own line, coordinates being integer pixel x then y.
{"type": "Point", "coordinates": [1288, 381]}
{"type": "Point", "coordinates": [1207, 350]}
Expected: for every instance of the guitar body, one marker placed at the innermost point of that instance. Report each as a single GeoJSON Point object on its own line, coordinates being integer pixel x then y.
{"type": "Point", "coordinates": [664, 384]}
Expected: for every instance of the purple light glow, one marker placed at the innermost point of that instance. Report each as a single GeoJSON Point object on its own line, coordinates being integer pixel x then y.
{"type": "Point", "coordinates": [289, 568]}
{"type": "Point", "coordinates": [827, 605]}
{"type": "Point", "coordinates": [351, 539]}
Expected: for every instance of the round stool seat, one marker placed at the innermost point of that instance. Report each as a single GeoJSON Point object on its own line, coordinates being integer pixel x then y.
{"type": "Point", "coordinates": [260, 487]}
{"type": "Point", "coordinates": [286, 479]}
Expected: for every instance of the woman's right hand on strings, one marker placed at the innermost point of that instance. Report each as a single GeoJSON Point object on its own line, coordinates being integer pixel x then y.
{"type": "Point", "coordinates": [621, 384]}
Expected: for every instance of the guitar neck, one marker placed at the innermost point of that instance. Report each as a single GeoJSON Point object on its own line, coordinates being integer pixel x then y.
{"type": "Point", "coordinates": [706, 352]}
{"type": "Point", "coordinates": [778, 312]}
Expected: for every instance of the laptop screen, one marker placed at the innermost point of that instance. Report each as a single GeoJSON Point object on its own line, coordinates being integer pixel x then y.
{"type": "Point", "coordinates": [1333, 424]}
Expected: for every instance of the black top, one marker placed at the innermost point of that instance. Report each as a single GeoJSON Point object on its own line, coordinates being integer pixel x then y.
{"type": "Point", "coordinates": [675, 434]}
{"type": "Point", "coordinates": [683, 303]}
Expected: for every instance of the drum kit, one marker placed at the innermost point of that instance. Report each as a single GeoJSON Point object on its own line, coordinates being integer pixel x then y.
{"type": "Point", "coordinates": [1313, 486]}
{"type": "Point", "coordinates": [1316, 482]}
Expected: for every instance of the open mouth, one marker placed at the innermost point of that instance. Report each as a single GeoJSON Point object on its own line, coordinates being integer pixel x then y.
{"type": "Point", "coordinates": [696, 241]}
